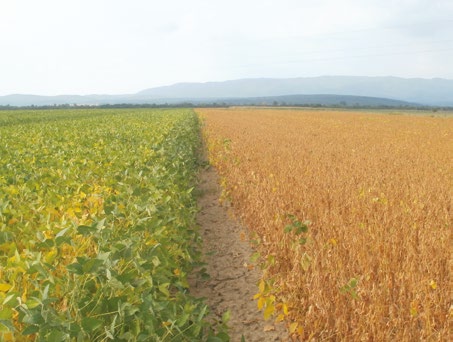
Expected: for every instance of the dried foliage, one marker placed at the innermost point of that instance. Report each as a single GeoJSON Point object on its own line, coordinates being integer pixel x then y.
{"type": "Point", "coordinates": [352, 214]}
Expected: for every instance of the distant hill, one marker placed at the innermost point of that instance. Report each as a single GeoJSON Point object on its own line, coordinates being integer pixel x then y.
{"type": "Point", "coordinates": [37, 100]}
{"type": "Point", "coordinates": [416, 90]}
{"type": "Point", "coordinates": [352, 90]}
{"type": "Point", "coordinates": [318, 99]}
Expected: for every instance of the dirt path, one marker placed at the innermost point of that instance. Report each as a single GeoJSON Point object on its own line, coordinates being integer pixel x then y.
{"type": "Point", "coordinates": [232, 284]}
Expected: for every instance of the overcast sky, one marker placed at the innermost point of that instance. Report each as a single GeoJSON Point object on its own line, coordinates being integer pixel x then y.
{"type": "Point", "coordinates": [52, 47]}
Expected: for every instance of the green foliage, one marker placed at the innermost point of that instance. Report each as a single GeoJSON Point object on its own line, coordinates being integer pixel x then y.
{"type": "Point", "coordinates": [350, 288]}
{"type": "Point", "coordinates": [297, 228]}
{"type": "Point", "coordinates": [97, 225]}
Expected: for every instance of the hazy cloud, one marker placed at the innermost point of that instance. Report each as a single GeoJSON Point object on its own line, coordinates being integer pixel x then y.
{"type": "Point", "coordinates": [112, 46]}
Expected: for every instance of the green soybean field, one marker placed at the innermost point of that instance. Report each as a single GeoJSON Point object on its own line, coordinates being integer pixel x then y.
{"type": "Point", "coordinates": [97, 226]}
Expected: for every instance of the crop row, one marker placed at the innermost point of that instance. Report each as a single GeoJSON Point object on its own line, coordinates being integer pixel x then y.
{"type": "Point", "coordinates": [97, 225]}
{"type": "Point", "coordinates": [351, 214]}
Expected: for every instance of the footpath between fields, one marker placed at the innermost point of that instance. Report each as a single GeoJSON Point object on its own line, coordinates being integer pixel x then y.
{"type": "Point", "coordinates": [233, 281]}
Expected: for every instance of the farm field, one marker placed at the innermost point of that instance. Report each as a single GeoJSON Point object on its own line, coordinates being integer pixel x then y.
{"type": "Point", "coordinates": [351, 214]}
{"type": "Point", "coordinates": [97, 225]}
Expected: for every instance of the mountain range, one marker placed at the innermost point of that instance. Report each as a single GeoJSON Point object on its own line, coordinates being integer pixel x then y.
{"type": "Point", "coordinates": [324, 90]}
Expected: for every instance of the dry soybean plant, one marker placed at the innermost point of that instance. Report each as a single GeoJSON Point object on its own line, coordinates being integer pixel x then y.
{"type": "Point", "coordinates": [352, 214]}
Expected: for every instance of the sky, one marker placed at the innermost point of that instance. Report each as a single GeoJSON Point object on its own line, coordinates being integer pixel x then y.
{"type": "Point", "coordinates": [54, 47]}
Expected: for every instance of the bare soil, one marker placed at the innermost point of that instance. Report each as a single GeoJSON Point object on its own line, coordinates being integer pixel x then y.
{"type": "Point", "coordinates": [233, 281]}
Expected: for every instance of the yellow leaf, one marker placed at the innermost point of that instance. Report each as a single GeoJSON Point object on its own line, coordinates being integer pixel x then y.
{"type": "Point", "coordinates": [6, 336]}
{"type": "Point", "coordinates": [433, 284]}
{"type": "Point", "coordinates": [300, 330]}
{"type": "Point", "coordinates": [260, 303]}
{"type": "Point", "coordinates": [51, 211]}
{"type": "Point", "coordinates": [48, 234]}
{"type": "Point", "coordinates": [5, 247]}
{"type": "Point", "coordinates": [50, 257]}
{"type": "Point", "coordinates": [5, 287]}
{"type": "Point", "coordinates": [12, 190]}
{"type": "Point", "coordinates": [293, 327]}
{"type": "Point", "coordinates": [285, 309]}
{"type": "Point", "coordinates": [280, 317]}
{"type": "Point", "coordinates": [150, 242]}
{"type": "Point", "coordinates": [413, 310]}
{"type": "Point", "coordinates": [269, 311]}
{"type": "Point", "coordinates": [270, 299]}
{"type": "Point", "coordinates": [24, 294]}
{"type": "Point", "coordinates": [261, 286]}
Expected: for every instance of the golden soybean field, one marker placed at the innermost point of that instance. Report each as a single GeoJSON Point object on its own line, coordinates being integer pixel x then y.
{"type": "Point", "coordinates": [352, 215]}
